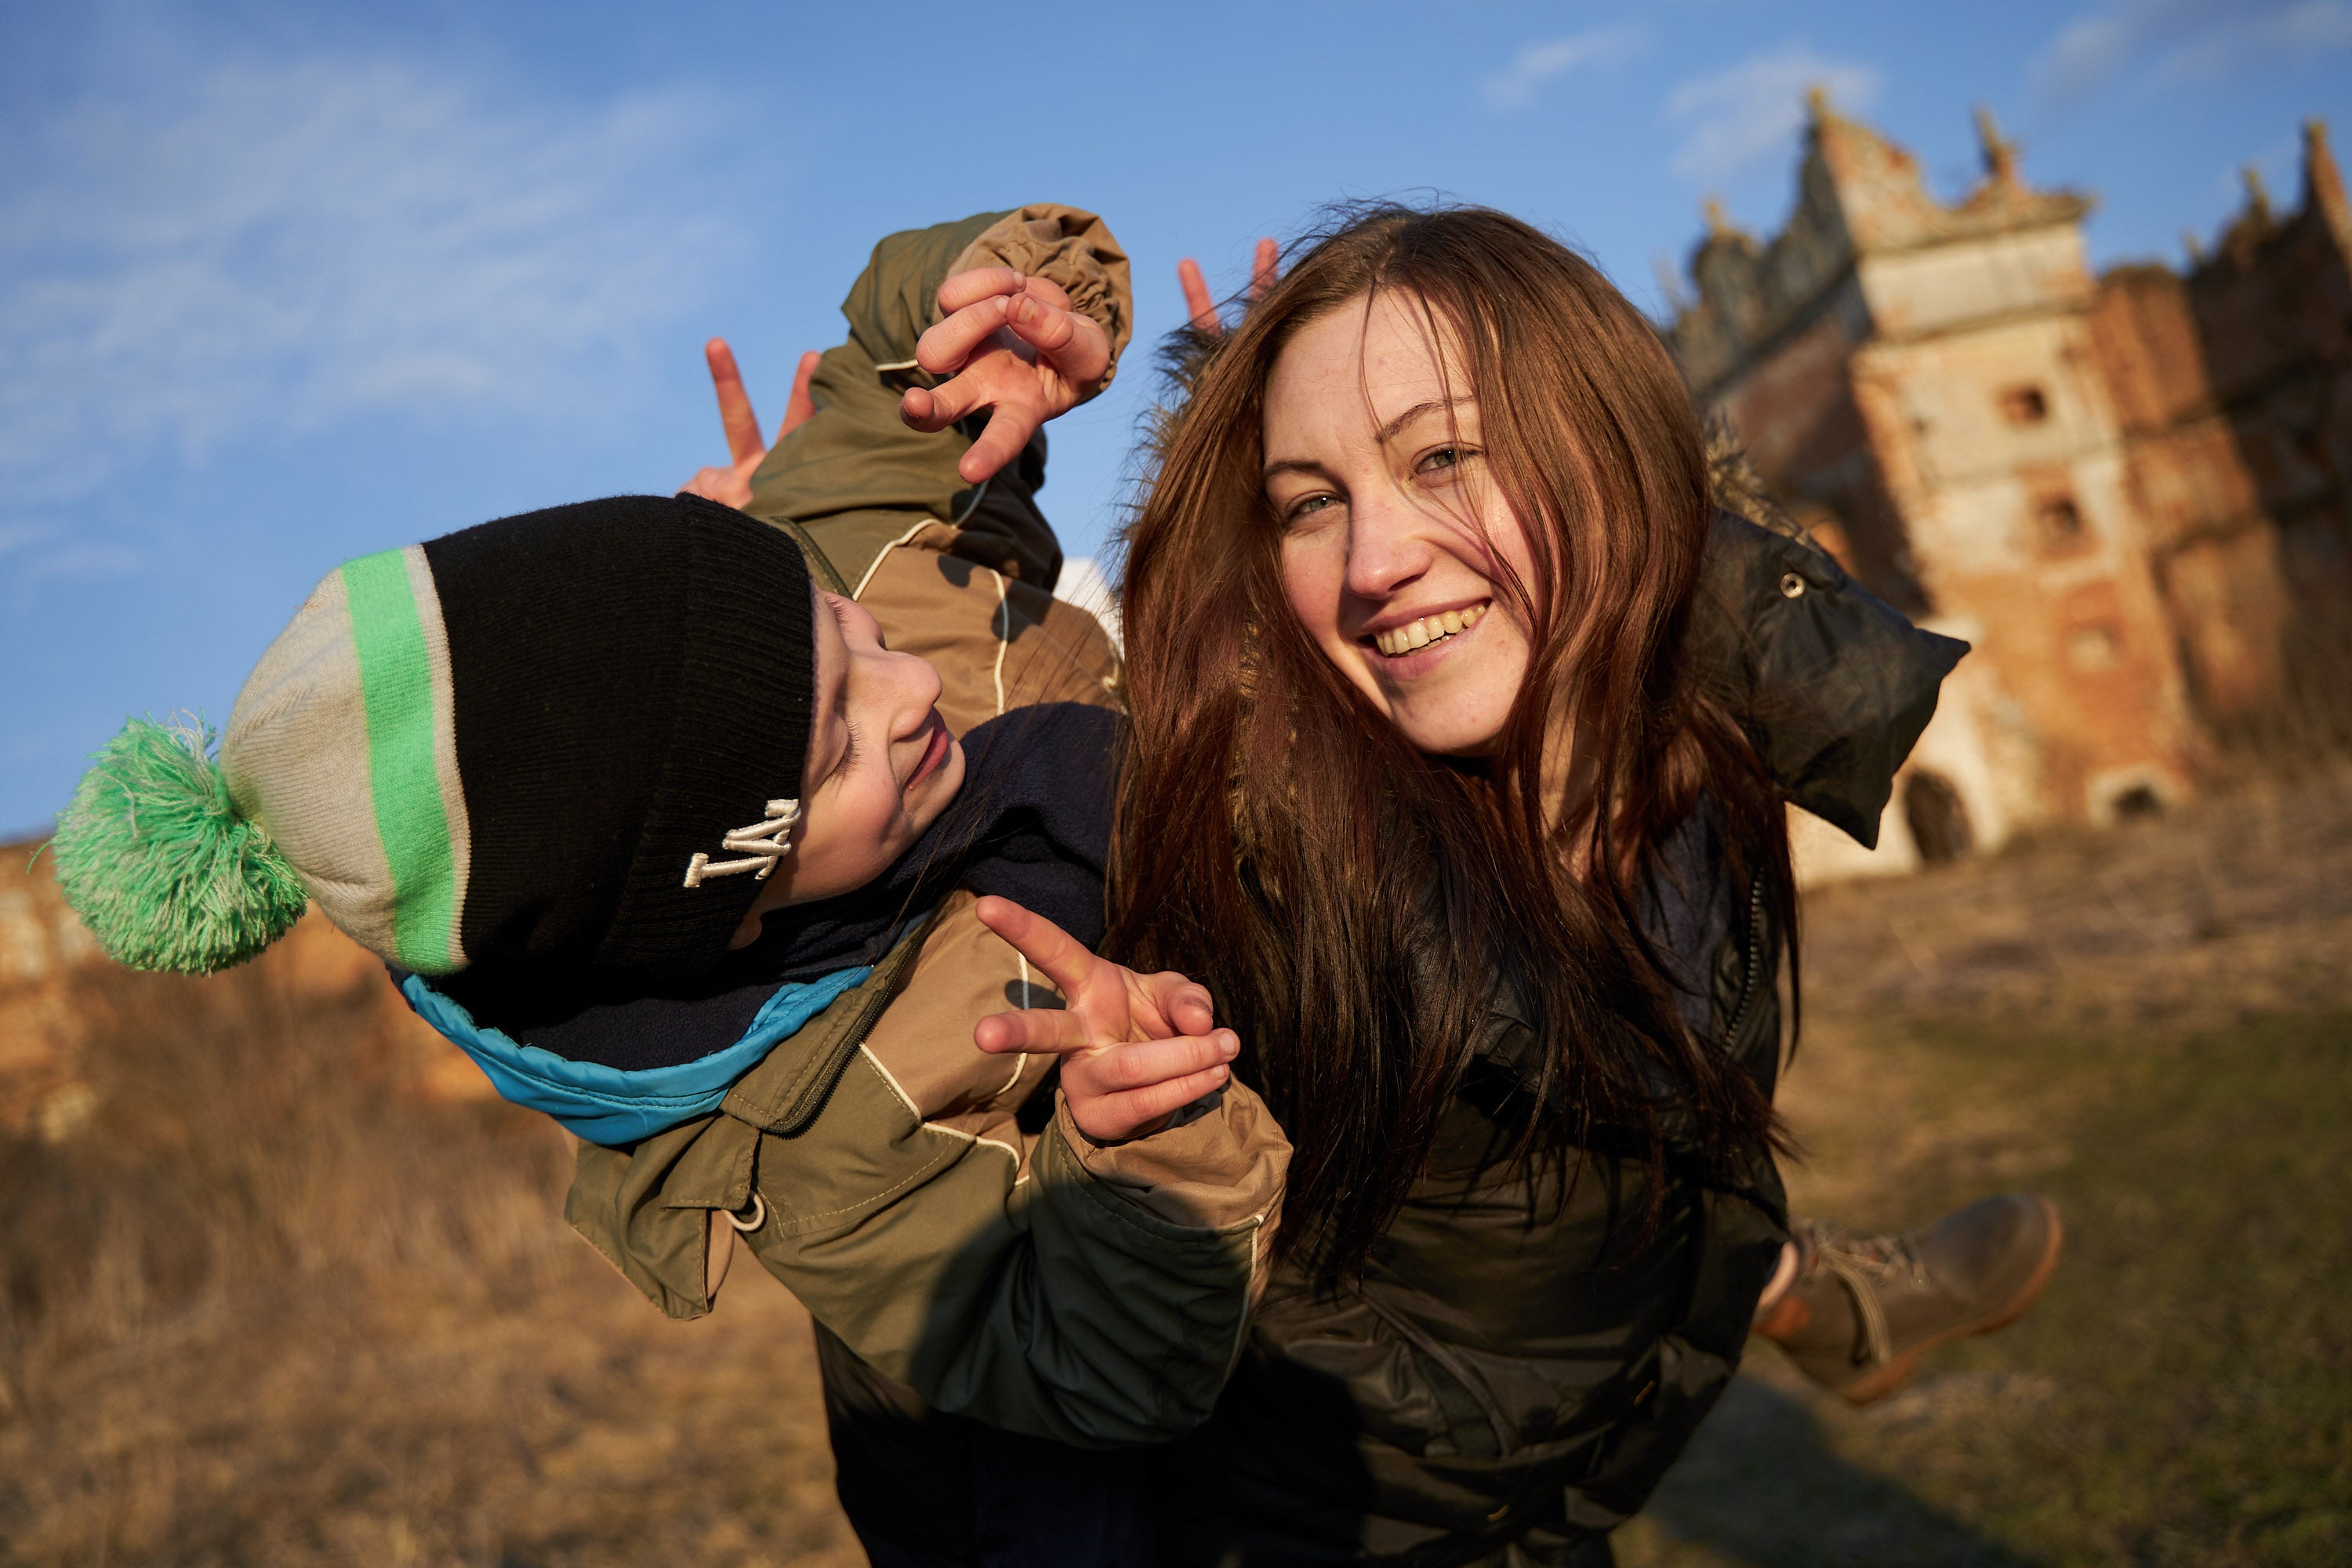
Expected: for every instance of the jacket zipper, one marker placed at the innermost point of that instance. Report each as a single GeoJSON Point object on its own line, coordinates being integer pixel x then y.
{"type": "Point", "coordinates": [1747, 985]}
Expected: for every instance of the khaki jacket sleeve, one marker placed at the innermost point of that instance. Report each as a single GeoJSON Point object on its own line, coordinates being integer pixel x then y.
{"type": "Point", "coordinates": [886, 1172]}
{"type": "Point", "coordinates": [853, 480]}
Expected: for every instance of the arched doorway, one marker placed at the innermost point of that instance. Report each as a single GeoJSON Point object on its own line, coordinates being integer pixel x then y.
{"type": "Point", "coordinates": [1937, 820]}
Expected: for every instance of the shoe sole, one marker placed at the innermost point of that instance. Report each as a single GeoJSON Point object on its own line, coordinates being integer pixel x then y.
{"type": "Point", "coordinates": [1880, 1381]}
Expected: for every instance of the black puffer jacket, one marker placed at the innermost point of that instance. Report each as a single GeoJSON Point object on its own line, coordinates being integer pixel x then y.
{"type": "Point", "coordinates": [1514, 1372]}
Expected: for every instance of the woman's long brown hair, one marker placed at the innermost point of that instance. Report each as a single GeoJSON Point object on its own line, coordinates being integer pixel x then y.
{"type": "Point", "coordinates": [1352, 902]}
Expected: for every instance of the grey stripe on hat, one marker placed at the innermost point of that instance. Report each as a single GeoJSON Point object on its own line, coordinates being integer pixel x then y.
{"type": "Point", "coordinates": [296, 757]}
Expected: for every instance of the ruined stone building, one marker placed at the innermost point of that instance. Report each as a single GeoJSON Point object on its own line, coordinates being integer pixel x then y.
{"type": "Point", "coordinates": [2131, 492]}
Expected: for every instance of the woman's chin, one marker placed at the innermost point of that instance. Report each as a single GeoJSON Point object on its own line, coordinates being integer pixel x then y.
{"type": "Point", "coordinates": [1441, 731]}
{"type": "Point", "coordinates": [1453, 718]}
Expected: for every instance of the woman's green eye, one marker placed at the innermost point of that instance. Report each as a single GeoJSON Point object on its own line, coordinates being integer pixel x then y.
{"type": "Point", "coordinates": [1309, 506]}
{"type": "Point", "coordinates": [1444, 458]}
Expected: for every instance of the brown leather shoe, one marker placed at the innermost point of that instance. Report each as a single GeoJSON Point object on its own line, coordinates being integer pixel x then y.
{"type": "Point", "coordinates": [1864, 1308]}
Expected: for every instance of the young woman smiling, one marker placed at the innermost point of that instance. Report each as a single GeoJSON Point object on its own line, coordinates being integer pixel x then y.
{"type": "Point", "coordinates": [1425, 788]}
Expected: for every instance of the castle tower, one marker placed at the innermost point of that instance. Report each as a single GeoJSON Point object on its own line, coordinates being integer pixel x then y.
{"type": "Point", "coordinates": [1917, 381]}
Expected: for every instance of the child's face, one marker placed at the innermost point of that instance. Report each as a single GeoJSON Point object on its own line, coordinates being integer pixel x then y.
{"type": "Point", "coordinates": [881, 765]}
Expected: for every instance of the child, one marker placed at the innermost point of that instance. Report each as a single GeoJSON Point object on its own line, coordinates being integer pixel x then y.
{"type": "Point", "coordinates": [556, 769]}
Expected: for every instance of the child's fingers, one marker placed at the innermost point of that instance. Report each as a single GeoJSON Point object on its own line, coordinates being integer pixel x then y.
{"type": "Point", "coordinates": [921, 408]}
{"type": "Point", "coordinates": [943, 349]}
{"type": "Point", "coordinates": [964, 288]}
{"type": "Point", "coordinates": [1200, 305]}
{"type": "Point", "coordinates": [1065, 962]}
{"type": "Point", "coordinates": [735, 416]}
{"type": "Point", "coordinates": [800, 406]}
{"type": "Point", "coordinates": [1183, 1002]}
{"type": "Point", "coordinates": [1265, 268]}
{"type": "Point", "coordinates": [1071, 342]}
{"type": "Point", "coordinates": [727, 487]}
{"type": "Point", "coordinates": [1115, 1069]}
{"type": "Point", "coordinates": [1009, 429]}
{"type": "Point", "coordinates": [935, 408]}
{"type": "Point", "coordinates": [931, 409]}
{"type": "Point", "coordinates": [1115, 1116]}
{"type": "Point", "coordinates": [1030, 1031]}
{"type": "Point", "coordinates": [1045, 288]}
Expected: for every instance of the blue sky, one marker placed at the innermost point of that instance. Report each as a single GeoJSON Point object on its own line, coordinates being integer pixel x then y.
{"type": "Point", "coordinates": [283, 284]}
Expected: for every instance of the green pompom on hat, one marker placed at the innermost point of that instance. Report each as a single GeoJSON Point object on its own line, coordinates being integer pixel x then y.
{"type": "Point", "coordinates": [162, 867]}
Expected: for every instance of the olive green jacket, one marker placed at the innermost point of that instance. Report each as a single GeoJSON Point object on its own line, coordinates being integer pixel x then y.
{"type": "Point", "coordinates": [923, 1199]}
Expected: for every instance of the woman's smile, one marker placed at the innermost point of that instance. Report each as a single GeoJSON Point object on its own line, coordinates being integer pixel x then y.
{"type": "Point", "coordinates": [1433, 632]}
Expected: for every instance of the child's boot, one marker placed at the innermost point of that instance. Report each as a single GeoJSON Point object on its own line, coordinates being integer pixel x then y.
{"type": "Point", "coordinates": [1862, 1309]}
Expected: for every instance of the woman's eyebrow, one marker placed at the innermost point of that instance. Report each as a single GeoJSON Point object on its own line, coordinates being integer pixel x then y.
{"type": "Point", "coordinates": [1387, 432]}
{"type": "Point", "coordinates": [1384, 435]}
{"type": "Point", "coordinates": [1295, 466]}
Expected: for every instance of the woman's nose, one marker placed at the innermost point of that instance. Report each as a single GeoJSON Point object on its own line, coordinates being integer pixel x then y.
{"type": "Point", "coordinates": [1388, 545]}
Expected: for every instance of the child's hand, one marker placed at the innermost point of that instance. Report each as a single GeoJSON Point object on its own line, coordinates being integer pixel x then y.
{"type": "Point", "coordinates": [731, 486]}
{"type": "Point", "coordinates": [1010, 343]}
{"type": "Point", "coordinates": [1265, 270]}
{"type": "Point", "coordinates": [1134, 1047]}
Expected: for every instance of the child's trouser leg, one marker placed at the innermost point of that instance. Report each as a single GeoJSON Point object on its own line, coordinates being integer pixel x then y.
{"type": "Point", "coordinates": [903, 1471]}
{"type": "Point", "coordinates": [923, 1490]}
{"type": "Point", "coordinates": [1041, 1504]}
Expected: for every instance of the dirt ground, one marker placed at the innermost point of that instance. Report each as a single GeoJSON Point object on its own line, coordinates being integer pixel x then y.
{"type": "Point", "coordinates": [2154, 1026]}
{"type": "Point", "coordinates": [259, 1305]}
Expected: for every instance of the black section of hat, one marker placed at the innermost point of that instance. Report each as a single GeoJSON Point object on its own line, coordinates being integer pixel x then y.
{"type": "Point", "coordinates": [633, 679]}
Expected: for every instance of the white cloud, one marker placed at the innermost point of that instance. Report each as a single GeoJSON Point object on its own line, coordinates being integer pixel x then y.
{"type": "Point", "coordinates": [1517, 86]}
{"type": "Point", "coordinates": [35, 553]}
{"type": "Point", "coordinates": [87, 561]}
{"type": "Point", "coordinates": [22, 536]}
{"type": "Point", "coordinates": [247, 246]}
{"type": "Point", "coordinates": [1750, 112]}
{"type": "Point", "coordinates": [2171, 41]}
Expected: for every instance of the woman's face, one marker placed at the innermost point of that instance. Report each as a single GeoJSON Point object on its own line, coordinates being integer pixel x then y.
{"type": "Point", "coordinates": [1394, 530]}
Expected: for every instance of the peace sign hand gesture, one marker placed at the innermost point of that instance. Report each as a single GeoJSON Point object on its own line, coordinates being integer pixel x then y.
{"type": "Point", "coordinates": [1010, 343]}
{"type": "Point", "coordinates": [1200, 306]}
{"type": "Point", "coordinates": [731, 486]}
{"type": "Point", "coordinates": [1134, 1048]}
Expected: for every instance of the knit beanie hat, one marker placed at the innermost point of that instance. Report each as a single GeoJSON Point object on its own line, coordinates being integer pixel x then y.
{"type": "Point", "coordinates": [566, 738]}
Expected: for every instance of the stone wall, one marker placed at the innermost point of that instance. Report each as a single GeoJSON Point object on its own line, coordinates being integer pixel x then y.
{"type": "Point", "coordinates": [2133, 494]}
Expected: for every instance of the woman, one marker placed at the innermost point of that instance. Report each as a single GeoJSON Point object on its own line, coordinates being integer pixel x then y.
{"type": "Point", "coordinates": [1541, 1245]}
{"type": "Point", "coordinates": [1424, 786]}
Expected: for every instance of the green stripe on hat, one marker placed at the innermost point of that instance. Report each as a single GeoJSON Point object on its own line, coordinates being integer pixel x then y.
{"type": "Point", "coordinates": [445, 742]}
{"type": "Point", "coordinates": [396, 682]}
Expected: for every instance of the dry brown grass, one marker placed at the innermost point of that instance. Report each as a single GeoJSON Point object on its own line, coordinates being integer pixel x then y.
{"type": "Point", "coordinates": [269, 1307]}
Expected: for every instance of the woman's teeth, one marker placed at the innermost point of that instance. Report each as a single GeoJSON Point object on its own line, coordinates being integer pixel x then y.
{"type": "Point", "coordinates": [1404, 639]}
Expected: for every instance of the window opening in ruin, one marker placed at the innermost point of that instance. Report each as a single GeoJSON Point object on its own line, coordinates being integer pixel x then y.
{"type": "Point", "coordinates": [2093, 647]}
{"type": "Point", "coordinates": [1938, 821]}
{"type": "Point", "coordinates": [2024, 406]}
{"type": "Point", "coordinates": [2059, 521]}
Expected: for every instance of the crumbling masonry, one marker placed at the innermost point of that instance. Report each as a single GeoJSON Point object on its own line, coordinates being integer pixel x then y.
{"type": "Point", "coordinates": [2133, 493]}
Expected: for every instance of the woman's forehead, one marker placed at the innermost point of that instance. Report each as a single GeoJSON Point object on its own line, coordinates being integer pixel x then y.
{"type": "Point", "coordinates": [1365, 369]}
